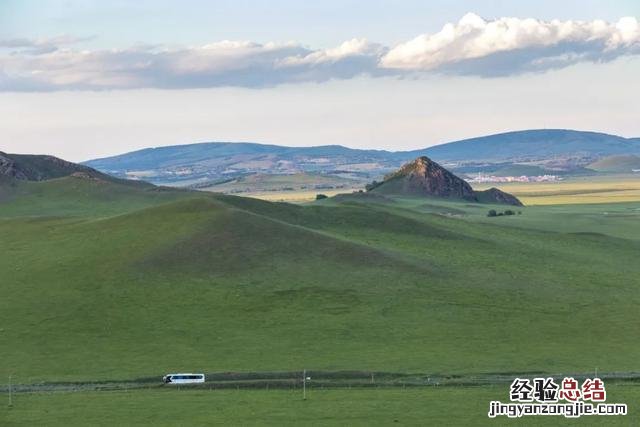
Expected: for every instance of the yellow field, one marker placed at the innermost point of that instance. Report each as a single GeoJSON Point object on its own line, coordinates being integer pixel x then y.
{"type": "Point", "coordinates": [296, 196]}
{"type": "Point", "coordinates": [605, 189]}
{"type": "Point", "coordinates": [608, 189]}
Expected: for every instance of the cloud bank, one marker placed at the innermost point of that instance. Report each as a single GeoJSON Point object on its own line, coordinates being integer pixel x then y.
{"type": "Point", "coordinates": [473, 46]}
{"type": "Point", "coordinates": [511, 45]}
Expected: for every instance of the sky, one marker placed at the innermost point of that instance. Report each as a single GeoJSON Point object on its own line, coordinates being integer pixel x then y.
{"type": "Point", "coordinates": [86, 79]}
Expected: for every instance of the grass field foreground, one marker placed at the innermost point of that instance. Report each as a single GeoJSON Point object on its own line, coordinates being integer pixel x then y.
{"type": "Point", "coordinates": [460, 406]}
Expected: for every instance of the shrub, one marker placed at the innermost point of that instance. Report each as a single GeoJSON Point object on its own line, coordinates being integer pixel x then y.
{"type": "Point", "coordinates": [492, 212]}
{"type": "Point", "coordinates": [371, 186]}
{"type": "Point", "coordinates": [321, 196]}
{"type": "Point", "coordinates": [509, 212]}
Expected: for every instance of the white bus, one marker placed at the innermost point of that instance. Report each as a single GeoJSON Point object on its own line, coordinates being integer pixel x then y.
{"type": "Point", "coordinates": [183, 378]}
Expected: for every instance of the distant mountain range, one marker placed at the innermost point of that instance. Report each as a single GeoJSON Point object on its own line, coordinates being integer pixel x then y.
{"type": "Point", "coordinates": [535, 145]}
{"type": "Point", "coordinates": [211, 162]}
{"type": "Point", "coordinates": [206, 164]}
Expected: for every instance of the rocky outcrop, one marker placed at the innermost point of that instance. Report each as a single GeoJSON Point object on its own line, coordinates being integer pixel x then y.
{"type": "Point", "coordinates": [30, 167]}
{"type": "Point", "coordinates": [424, 177]}
{"type": "Point", "coordinates": [493, 195]}
{"type": "Point", "coordinates": [9, 169]}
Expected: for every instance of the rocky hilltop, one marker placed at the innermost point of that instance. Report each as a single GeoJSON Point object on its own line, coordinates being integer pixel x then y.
{"type": "Point", "coordinates": [34, 167]}
{"type": "Point", "coordinates": [424, 177]}
{"type": "Point", "coordinates": [494, 195]}
{"type": "Point", "coordinates": [15, 168]}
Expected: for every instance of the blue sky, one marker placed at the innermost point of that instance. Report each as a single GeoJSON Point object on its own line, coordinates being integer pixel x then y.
{"type": "Point", "coordinates": [119, 23]}
{"type": "Point", "coordinates": [82, 79]}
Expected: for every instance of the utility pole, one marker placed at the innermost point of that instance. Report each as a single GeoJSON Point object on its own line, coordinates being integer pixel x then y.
{"type": "Point", "coordinates": [10, 397]}
{"type": "Point", "coordinates": [304, 384]}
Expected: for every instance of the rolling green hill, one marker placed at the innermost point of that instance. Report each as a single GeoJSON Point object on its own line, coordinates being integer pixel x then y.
{"type": "Point", "coordinates": [108, 281]}
{"type": "Point", "coordinates": [76, 195]}
{"type": "Point", "coordinates": [279, 182]}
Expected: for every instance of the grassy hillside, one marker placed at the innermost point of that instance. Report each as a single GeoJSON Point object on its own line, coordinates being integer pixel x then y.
{"type": "Point", "coordinates": [260, 183]}
{"type": "Point", "coordinates": [74, 196]}
{"type": "Point", "coordinates": [112, 283]}
{"type": "Point", "coordinates": [620, 164]}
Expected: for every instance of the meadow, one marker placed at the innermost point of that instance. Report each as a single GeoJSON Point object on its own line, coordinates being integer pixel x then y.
{"type": "Point", "coordinates": [293, 196]}
{"type": "Point", "coordinates": [460, 406]}
{"type": "Point", "coordinates": [279, 183]}
{"type": "Point", "coordinates": [604, 188]}
{"type": "Point", "coordinates": [106, 282]}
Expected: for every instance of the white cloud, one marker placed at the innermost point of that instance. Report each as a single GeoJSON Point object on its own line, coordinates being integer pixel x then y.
{"type": "Point", "coordinates": [473, 46]}
{"type": "Point", "coordinates": [511, 45]}
{"type": "Point", "coordinates": [350, 48]}
{"type": "Point", "coordinates": [226, 63]}
{"type": "Point", "coordinates": [41, 45]}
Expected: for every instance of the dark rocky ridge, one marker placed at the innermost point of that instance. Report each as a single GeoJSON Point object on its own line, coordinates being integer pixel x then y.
{"type": "Point", "coordinates": [31, 167]}
{"type": "Point", "coordinates": [494, 195]}
{"type": "Point", "coordinates": [35, 167]}
{"type": "Point", "coordinates": [424, 177]}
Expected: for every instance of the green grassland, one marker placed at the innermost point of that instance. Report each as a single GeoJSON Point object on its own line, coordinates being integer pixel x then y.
{"type": "Point", "coordinates": [219, 283]}
{"type": "Point", "coordinates": [73, 196]}
{"type": "Point", "coordinates": [284, 185]}
{"type": "Point", "coordinates": [458, 406]}
{"type": "Point", "coordinates": [111, 281]}
{"type": "Point", "coordinates": [598, 219]}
